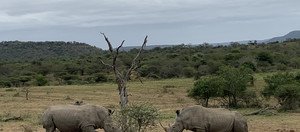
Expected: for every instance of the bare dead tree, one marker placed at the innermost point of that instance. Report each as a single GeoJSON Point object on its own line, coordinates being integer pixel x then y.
{"type": "Point", "coordinates": [122, 79]}
{"type": "Point", "coordinates": [26, 91]}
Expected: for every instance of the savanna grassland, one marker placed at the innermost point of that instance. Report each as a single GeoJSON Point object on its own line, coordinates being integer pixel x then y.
{"type": "Point", "coordinates": [166, 95]}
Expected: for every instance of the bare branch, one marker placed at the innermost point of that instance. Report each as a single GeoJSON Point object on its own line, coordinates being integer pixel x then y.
{"type": "Point", "coordinates": [108, 42]}
{"type": "Point", "coordinates": [133, 64]}
{"type": "Point", "coordinates": [120, 46]}
{"type": "Point", "coordinates": [108, 65]}
{"type": "Point", "coordinates": [122, 78]}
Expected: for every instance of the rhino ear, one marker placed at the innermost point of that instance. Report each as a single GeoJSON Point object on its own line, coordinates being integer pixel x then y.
{"type": "Point", "coordinates": [110, 112]}
{"type": "Point", "coordinates": [177, 112]}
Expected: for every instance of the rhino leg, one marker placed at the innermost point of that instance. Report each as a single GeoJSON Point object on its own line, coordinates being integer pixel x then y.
{"type": "Point", "coordinates": [88, 129]}
{"type": "Point", "coordinates": [48, 123]}
{"type": "Point", "coordinates": [240, 126]}
{"type": "Point", "coordinates": [50, 129]}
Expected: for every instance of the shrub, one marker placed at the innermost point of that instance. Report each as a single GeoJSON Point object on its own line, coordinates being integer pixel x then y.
{"type": "Point", "coordinates": [5, 84]}
{"type": "Point", "coordinates": [137, 117]}
{"type": "Point", "coordinates": [273, 82]}
{"type": "Point", "coordinates": [250, 99]}
{"type": "Point", "coordinates": [288, 96]}
{"type": "Point", "coordinates": [40, 80]}
{"type": "Point", "coordinates": [205, 88]}
{"type": "Point", "coordinates": [100, 78]}
{"type": "Point", "coordinates": [188, 71]}
{"type": "Point", "coordinates": [285, 88]}
{"type": "Point", "coordinates": [235, 83]}
{"type": "Point", "coordinates": [249, 65]}
{"type": "Point", "coordinates": [265, 57]}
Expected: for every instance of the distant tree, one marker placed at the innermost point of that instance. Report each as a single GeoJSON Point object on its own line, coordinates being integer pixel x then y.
{"type": "Point", "coordinates": [236, 81]}
{"type": "Point", "coordinates": [206, 88]}
{"type": "Point", "coordinates": [264, 57]}
{"type": "Point", "coordinates": [24, 79]}
{"type": "Point", "coordinates": [249, 65]}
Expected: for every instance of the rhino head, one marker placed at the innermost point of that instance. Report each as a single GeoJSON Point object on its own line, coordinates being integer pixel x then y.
{"type": "Point", "coordinates": [108, 124]}
{"type": "Point", "coordinates": [176, 127]}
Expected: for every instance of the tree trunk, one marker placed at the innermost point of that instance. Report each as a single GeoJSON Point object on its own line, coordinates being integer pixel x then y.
{"type": "Point", "coordinates": [123, 97]}
{"type": "Point", "coordinates": [234, 101]}
{"type": "Point", "coordinates": [206, 102]}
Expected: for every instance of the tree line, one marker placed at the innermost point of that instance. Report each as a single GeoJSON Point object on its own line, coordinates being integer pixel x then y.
{"type": "Point", "coordinates": [77, 65]}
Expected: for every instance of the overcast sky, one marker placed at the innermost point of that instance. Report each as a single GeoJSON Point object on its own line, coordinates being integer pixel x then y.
{"type": "Point", "coordinates": [165, 21]}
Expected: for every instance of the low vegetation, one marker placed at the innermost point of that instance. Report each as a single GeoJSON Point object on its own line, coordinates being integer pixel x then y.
{"type": "Point", "coordinates": [137, 117]}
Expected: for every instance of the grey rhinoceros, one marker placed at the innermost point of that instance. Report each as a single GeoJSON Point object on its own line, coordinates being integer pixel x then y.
{"type": "Point", "coordinates": [200, 119]}
{"type": "Point", "coordinates": [78, 118]}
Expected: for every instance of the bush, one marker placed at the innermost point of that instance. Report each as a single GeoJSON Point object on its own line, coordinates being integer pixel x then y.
{"type": "Point", "coordinates": [273, 82]}
{"type": "Point", "coordinates": [265, 57]}
{"type": "Point", "coordinates": [188, 71]}
{"type": "Point", "coordinates": [285, 88]}
{"type": "Point", "coordinates": [235, 83]}
{"type": "Point", "coordinates": [250, 100]}
{"type": "Point", "coordinates": [288, 96]}
{"type": "Point", "coordinates": [100, 78]}
{"type": "Point", "coordinates": [205, 88]}
{"type": "Point", "coordinates": [137, 117]}
{"type": "Point", "coordinates": [5, 84]}
{"type": "Point", "coordinates": [249, 65]}
{"type": "Point", "coordinates": [40, 80]}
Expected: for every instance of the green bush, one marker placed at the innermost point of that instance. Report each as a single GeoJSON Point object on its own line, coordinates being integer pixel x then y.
{"type": "Point", "coordinates": [5, 84]}
{"type": "Point", "coordinates": [288, 96]}
{"type": "Point", "coordinates": [205, 88]}
{"type": "Point", "coordinates": [100, 78]}
{"type": "Point", "coordinates": [40, 80]}
{"type": "Point", "coordinates": [274, 81]}
{"type": "Point", "coordinates": [265, 57]}
{"type": "Point", "coordinates": [235, 83]}
{"type": "Point", "coordinates": [137, 117]}
{"type": "Point", "coordinates": [285, 88]}
{"type": "Point", "coordinates": [250, 100]}
{"type": "Point", "coordinates": [249, 65]}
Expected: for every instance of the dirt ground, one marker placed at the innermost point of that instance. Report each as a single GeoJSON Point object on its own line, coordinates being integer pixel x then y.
{"type": "Point", "coordinates": [166, 95]}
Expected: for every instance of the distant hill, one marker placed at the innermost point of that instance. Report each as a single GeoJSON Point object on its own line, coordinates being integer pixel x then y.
{"type": "Point", "coordinates": [22, 51]}
{"type": "Point", "coordinates": [290, 35]}
{"type": "Point", "coordinates": [148, 47]}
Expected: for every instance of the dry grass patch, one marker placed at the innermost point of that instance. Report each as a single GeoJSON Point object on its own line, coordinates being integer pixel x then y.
{"type": "Point", "coordinates": [107, 95]}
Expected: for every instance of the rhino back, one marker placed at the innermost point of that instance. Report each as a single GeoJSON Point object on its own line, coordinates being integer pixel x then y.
{"type": "Point", "coordinates": [206, 118]}
{"type": "Point", "coordinates": [72, 118]}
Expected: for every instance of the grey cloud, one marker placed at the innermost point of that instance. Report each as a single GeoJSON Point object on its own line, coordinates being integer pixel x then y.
{"type": "Point", "coordinates": [123, 12]}
{"type": "Point", "coordinates": [161, 16]}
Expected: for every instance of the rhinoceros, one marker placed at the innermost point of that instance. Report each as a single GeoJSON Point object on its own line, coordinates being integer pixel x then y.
{"type": "Point", "coordinates": [200, 119]}
{"type": "Point", "coordinates": [78, 118]}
